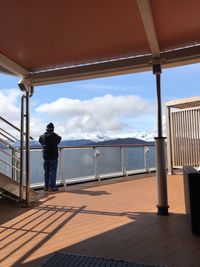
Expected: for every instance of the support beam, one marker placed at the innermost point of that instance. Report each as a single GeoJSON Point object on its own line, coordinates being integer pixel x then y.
{"type": "Point", "coordinates": [116, 67]}
{"type": "Point", "coordinates": [161, 172]}
{"type": "Point", "coordinates": [12, 67]}
{"type": "Point", "coordinates": [91, 71]}
{"type": "Point", "coordinates": [149, 26]}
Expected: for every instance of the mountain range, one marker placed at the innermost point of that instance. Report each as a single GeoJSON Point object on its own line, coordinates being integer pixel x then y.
{"type": "Point", "coordinates": [88, 142]}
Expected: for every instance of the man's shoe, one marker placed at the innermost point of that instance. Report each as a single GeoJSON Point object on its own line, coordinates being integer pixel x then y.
{"type": "Point", "coordinates": [53, 189]}
{"type": "Point", "coordinates": [46, 189]}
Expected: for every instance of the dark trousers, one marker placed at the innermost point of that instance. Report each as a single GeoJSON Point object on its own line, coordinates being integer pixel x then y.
{"type": "Point", "coordinates": [50, 168]}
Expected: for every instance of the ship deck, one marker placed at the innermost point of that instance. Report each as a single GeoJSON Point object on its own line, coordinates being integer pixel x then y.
{"type": "Point", "coordinates": [112, 219]}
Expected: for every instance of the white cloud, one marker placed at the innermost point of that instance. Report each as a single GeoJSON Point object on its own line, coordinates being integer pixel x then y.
{"type": "Point", "coordinates": [10, 110]}
{"type": "Point", "coordinates": [9, 107]}
{"type": "Point", "coordinates": [98, 115]}
{"type": "Point", "coordinates": [73, 118]}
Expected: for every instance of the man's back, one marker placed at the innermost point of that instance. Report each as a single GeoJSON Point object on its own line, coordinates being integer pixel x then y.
{"type": "Point", "coordinates": [49, 142]}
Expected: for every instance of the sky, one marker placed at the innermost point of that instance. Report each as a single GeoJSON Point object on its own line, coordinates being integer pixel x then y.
{"type": "Point", "coordinates": [118, 106]}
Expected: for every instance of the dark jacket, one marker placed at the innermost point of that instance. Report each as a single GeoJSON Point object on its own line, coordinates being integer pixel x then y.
{"type": "Point", "coordinates": [49, 141]}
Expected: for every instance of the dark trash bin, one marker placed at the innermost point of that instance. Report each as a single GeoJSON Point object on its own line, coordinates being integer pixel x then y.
{"type": "Point", "coordinates": [192, 197]}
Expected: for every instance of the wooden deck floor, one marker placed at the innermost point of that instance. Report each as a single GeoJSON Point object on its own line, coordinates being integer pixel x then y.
{"type": "Point", "coordinates": [113, 220]}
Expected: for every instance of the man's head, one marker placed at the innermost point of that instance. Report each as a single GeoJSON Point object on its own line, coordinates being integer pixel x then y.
{"type": "Point", "coordinates": [50, 127]}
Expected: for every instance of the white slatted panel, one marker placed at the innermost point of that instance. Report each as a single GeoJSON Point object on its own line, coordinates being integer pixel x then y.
{"type": "Point", "coordinates": [185, 132]}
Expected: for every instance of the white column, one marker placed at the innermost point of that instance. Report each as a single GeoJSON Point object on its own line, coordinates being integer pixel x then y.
{"type": "Point", "coordinates": [161, 173]}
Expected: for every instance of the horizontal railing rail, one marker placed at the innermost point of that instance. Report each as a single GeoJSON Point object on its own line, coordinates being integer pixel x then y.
{"type": "Point", "coordinates": [13, 126]}
{"type": "Point", "coordinates": [93, 146]}
{"type": "Point", "coordinates": [10, 135]}
{"type": "Point", "coordinates": [8, 145]}
{"type": "Point", "coordinates": [11, 163]}
{"type": "Point", "coordinates": [7, 136]}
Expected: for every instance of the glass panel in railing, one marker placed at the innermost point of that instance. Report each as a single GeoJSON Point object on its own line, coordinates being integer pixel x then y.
{"type": "Point", "coordinates": [77, 163]}
{"type": "Point", "coordinates": [5, 161]}
{"type": "Point", "coordinates": [134, 158]}
{"type": "Point", "coordinates": [109, 161]}
{"type": "Point", "coordinates": [151, 158]}
{"type": "Point", "coordinates": [36, 166]}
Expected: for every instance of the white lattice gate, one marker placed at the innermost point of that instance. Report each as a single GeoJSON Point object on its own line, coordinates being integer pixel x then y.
{"type": "Point", "coordinates": [184, 133]}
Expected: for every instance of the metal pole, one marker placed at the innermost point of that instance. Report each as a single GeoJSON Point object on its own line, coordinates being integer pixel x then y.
{"type": "Point", "coordinates": [161, 172]}
{"type": "Point", "coordinates": [159, 105]}
{"type": "Point", "coordinates": [27, 149]}
{"type": "Point", "coordinates": [21, 181]}
{"type": "Point", "coordinates": [13, 165]}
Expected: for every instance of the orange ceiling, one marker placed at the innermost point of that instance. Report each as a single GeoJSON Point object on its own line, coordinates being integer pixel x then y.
{"type": "Point", "coordinates": [177, 22]}
{"type": "Point", "coordinates": [46, 34]}
{"type": "Point", "coordinates": [53, 33]}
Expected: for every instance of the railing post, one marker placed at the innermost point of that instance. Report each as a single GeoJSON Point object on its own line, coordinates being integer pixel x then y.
{"type": "Point", "coordinates": [96, 154]}
{"type": "Point", "coordinates": [61, 165]}
{"type": "Point", "coordinates": [13, 164]}
{"type": "Point", "coordinates": [146, 151]}
{"type": "Point", "coordinates": [124, 172]}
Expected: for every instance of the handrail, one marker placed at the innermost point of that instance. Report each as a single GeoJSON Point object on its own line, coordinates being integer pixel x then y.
{"type": "Point", "coordinates": [4, 135]}
{"type": "Point", "coordinates": [9, 164]}
{"type": "Point", "coordinates": [12, 125]}
{"type": "Point", "coordinates": [12, 136]}
{"type": "Point", "coordinates": [8, 145]}
{"type": "Point", "coordinates": [9, 123]}
{"type": "Point", "coordinates": [96, 145]}
{"type": "Point", "coordinates": [10, 155]}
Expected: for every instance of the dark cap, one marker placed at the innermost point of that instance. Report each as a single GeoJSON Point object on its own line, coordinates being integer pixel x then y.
{"type": "Point", "coordinates": [50, 127]}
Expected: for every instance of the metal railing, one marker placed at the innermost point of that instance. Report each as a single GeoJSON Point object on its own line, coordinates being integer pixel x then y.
{"type": "Point", "coordinates": [10, 160]}
{"type": "Point", "coordinates": [12, 151]}
{"type": "Point", "coordinates": [85, 163]}
{"type": "Point", "coordinates": [76, 163]}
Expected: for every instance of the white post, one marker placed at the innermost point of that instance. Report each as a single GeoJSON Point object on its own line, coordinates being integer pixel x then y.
{"type": "Point", "coordinates": [123, 168]}
{"type": "Point", "coordinates": [96, 155]}
{"type": "Point", "coordinates": [61, 165]}
{"type": "Point", "coordinates": [161, 172]}
{"type": "Point", "coordinates": [146, 151]}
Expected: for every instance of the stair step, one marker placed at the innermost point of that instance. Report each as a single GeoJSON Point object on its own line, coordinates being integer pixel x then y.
{"type": "Point", "coordinates": [6, 194]}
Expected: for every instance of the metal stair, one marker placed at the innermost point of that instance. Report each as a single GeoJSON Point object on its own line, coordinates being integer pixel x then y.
{"type": "Point", "coordinates": [10, 166]}
{"type": "Point", "coordinates": [9, 188]}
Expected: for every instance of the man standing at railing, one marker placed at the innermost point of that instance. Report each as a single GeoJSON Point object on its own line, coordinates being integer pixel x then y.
{"type": "Point", "coordinates": [49, 141]}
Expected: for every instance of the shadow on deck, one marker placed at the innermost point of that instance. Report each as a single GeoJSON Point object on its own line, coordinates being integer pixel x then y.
{"type": "Point", "coordinates": [105, 225]}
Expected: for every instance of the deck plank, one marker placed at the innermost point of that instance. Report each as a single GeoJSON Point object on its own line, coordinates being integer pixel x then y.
{"type": "Point", "coordinates": [113, 219]}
